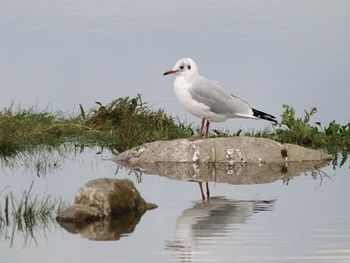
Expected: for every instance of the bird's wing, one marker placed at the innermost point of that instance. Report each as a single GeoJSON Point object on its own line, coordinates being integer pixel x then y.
{"type": "Point", "coordinates": [213, 95]}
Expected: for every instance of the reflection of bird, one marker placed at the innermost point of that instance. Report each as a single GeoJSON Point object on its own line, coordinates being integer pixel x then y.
{"type": "Point", "coordinates": [207, 99]}
{"type": "Point", "coordinates": [209, 223]}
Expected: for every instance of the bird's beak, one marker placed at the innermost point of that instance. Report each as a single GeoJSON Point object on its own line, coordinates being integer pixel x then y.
{"type": "Point", "coordinates": [169, 72]}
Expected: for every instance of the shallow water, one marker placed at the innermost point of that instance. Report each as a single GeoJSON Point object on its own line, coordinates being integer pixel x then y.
{"type": "Point", "coordinates": [304, 219]}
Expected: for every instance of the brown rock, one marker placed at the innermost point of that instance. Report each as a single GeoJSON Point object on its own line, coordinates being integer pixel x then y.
{"type": "Point", "coordinates": [79, 213]}
{"type": "Point", "coordinates": [111, 196]}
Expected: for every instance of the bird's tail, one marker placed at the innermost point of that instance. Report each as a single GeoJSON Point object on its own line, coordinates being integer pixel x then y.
{"type": "Point", "coordinates": [264, 116]}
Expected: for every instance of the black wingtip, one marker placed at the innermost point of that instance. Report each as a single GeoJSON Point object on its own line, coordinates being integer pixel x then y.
{"type": "Point", "coordinates": [264, 116]}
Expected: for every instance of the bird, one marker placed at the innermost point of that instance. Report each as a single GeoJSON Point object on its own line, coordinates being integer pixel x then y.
{"type": "Point", "coordinates": [208, 99]}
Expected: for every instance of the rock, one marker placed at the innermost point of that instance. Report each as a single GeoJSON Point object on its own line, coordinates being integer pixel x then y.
{"type": "Point", "coordinates": [228, 150]}
{"type": "Point", "coordinates": [79, 213]}
{"type": "Point", "coordinates": [104, 198]}
{"type": "Point", "coordinates": [235, 160]}
{"type": "Point", "coordinates": [111, 196]}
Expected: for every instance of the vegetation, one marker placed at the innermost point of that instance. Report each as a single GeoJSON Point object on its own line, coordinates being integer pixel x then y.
{"type": "Point", "coordinates": [333, 138]}
{"type": "Point", "coordinates": [127, 122]}
{"type": "Point", "coordinates": [124, 123]}
{"type": "Point", "coordinates": [26, 214]}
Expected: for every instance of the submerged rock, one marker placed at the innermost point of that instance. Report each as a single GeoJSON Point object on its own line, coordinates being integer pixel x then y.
{"type": "Point", "coordinates": [105, 198]}
{"type": "Point", "coordinates": [111, 196]}
{"type": "Point", "coordinates": [79, 213]}
{"type": "Point", "coordinates": [228, 150]}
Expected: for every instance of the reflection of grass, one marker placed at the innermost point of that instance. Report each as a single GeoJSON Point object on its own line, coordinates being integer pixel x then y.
{"type": "Point", "coordinates": [127, 122]}
{"type": "Point", "coordinates": [37, 162]}
{"type": "Point", "coordinates": [26, 214]}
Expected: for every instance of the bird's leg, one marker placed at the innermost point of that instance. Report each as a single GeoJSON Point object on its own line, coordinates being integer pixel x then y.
{"type": "Point", "coordinates": [207, 130]}
{"type": "Point", "coordinates": [207, 186]}
{"type": "Point", "coordinates": [202, 193]}
{"type": "Point", "coordinates": [201, 130]}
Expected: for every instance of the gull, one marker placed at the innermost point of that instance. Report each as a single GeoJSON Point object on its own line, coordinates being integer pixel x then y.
{"type": "Point", "coordinates": [207, 99]}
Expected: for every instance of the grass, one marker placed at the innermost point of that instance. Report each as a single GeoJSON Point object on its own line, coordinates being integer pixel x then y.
{"type": "Point", "coordinates": [26, 214]}
{"type": "Point", "coordinates": [128, 122]}
{"type": "Point", "coordinates": [333, 138]}
{"type": "Point", "coordinates": [122, 124]}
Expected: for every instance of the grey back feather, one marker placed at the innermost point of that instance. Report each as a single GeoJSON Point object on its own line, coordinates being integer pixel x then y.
{"type": "Point", "coordinates": [213, 95]}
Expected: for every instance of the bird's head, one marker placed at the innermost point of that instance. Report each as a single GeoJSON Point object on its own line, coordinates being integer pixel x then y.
{"type": "Point", "coordinates": [183, 67]}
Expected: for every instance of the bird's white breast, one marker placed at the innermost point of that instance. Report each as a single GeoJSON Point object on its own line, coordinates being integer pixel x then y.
{"type": "Point", "coordinates": [182, 88]}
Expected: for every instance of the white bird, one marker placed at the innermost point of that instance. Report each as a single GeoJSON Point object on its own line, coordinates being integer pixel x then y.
{"type": "Point", "coordinates": [207, 99]}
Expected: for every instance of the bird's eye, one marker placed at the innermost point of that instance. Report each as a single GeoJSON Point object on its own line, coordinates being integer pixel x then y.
{"type": "Point", "coordinates": [189, 67]}
{"type": "Point", "coordinates": [181, 67]}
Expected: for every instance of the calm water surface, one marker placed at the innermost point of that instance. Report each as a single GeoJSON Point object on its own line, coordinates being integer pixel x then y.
{"type": "Point", "coordinates": [304, 219]}
{"type": "Point", "coordinates": [57, 54]}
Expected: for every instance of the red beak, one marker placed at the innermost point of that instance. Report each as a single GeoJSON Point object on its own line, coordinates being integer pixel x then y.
{"type": "Point", "coordinates": [169, 72]}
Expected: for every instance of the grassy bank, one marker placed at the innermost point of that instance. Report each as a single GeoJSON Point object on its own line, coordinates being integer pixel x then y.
{"type": "Point", "coordinates": [122, 124]}
{"type": "Point", "coordinates": [127, 122]}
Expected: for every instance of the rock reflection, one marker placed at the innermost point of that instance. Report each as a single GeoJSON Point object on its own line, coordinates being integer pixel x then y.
{"type": "Point", "coordinates": [239, 173]}
{"type": "Point", "coordinates": [105, 229]}
{"type": "Point", "coordinates": [208, 223]}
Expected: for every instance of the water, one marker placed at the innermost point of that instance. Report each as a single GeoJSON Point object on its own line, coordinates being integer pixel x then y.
{"type": "Point", "coordinates": [57, 54]}
{"type": "Point", "coordinates": [304, 219]}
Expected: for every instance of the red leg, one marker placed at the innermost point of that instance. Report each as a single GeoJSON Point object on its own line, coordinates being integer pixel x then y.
{"type": "Point", "coordinates": [207, 130]}
{"type": "Point", "coordinates": [202, 193]}
{"type": "Point", "coordinates": [201, 131]}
